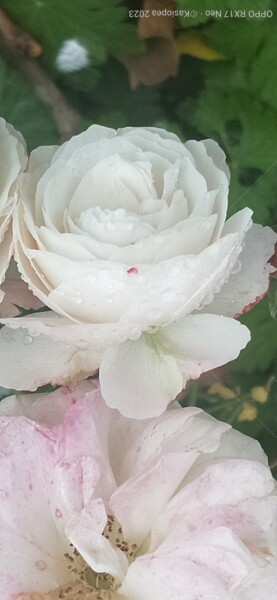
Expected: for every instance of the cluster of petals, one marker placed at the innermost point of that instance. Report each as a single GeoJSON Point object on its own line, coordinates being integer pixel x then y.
{"type": "Point", "coordinates": [12, 163]}
{"type": "Point", "coordinates": [97, 506]}
{"type": "Point", "coordinates": [123, 236]}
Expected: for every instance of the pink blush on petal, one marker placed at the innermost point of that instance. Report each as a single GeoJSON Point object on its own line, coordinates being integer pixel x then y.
{"type": "Point", "coordinates": [17, 293]}
{"type": "Point", "coordinates": [249, 307]}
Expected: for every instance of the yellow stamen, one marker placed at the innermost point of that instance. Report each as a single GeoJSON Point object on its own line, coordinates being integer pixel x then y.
{"type": "Point", "coordinates": [248, 413]}
{"type": "Point", "coordinates": [221, 390]}
{"type": "Point", "coordinates": [259, 393]}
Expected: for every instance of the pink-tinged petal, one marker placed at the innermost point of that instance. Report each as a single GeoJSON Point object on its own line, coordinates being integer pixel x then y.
{"type": "Point", "coordinates": [17, 294]}
{"type": "Point", "coordinates": [202, 342]}
{"type": "Point", "coordinates": [153, 577]}
{"type": "Point", "coordinates": [264, 586]}
{"type": "Point", "coordinates": [234, 444]}
{"type": "Point", "coordinates": [210, 532]}
{"type": "Point", "coordinates": [220, 484]}
{"type": "Point", "coordinates": [32, 550]}
{"type": "Point", "coordinates": [254, 521]}
{"type": "Point", "coordinates": [45, 361]}
{"type": "Point", "coordinates": [80, 436]}
{"type": "Point", "coordinates": [146, 441]}
{"type": "Point", "coordinates": [47, 409]}
{"type": "Point", "coordinates": [138, 378]}
{"type": "Point", "coordinates": [147, 493]}
{"type": "Point", "coordinates": [84, 531]}
{"type": "Point", "coordinates": [250, 279]}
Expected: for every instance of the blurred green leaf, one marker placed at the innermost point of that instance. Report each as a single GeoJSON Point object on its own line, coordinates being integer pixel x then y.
{"type": "Point", "coordinates": [251, 45]}
{"type": "Point", "coordinates": [261, 352]}
{"type": "Point", "coordinates": [114, 104]}
{"type": "Point", "coordinates": [252, 414]}
{"type": "Point", "coordinates": [272, 298]}
{"type": "Point", "coordinates": [23, 109]}
{"type": "Point", "coordinates": [247, 129]}
{"type": "Point", "coordinates": [239, 39]}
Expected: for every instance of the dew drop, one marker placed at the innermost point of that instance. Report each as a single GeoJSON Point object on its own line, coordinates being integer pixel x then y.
{"type": "Point", "coordinates": [58, 513]}
{"type": "Point", "coordinates": [237, 267]}
{"type": "Point", "coordinates": [28, 339]}
{"type": "Point", "coordinates": [77, 297]}
{"type": "Point", "coordinates": [41, 565]}
{"type": "Point", "coordinates": [134, 334]}
{"type": "Point", "coordinates": [152, 330]}
{"type": "Point", "coordinates": [34, 332]}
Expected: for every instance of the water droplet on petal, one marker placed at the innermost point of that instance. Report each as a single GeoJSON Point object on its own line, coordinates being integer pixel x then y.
{"type": "Point", "coordinates": [28, 339]}
{"type": "Point", "coordinates": [237, 267]}
{"type": "Point", "coordinates": [58, 513]}
{"type": "Point", "coordinates": [152, 330]}
{"type": "Point", "coordinates": [41, 565]}
{"type": "Point", "coordinates": [77, 297]}
{"type": "Point", "coordinates": [134, 334]}
{"type": "Point", "coordinates": [34, 332]}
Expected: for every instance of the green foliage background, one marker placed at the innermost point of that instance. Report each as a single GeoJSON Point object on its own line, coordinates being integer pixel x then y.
{"type": "Point", "coordinates": [233, 100]}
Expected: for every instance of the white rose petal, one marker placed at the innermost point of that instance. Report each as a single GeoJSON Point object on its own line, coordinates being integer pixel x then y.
{"type": "Point", "coordinates": [13, 161]}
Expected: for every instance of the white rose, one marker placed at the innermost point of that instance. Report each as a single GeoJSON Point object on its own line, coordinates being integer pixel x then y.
{"type": "Point", "coordinates": [13, 161]}
{"type": "Point", "coordinates": [123, 235]}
